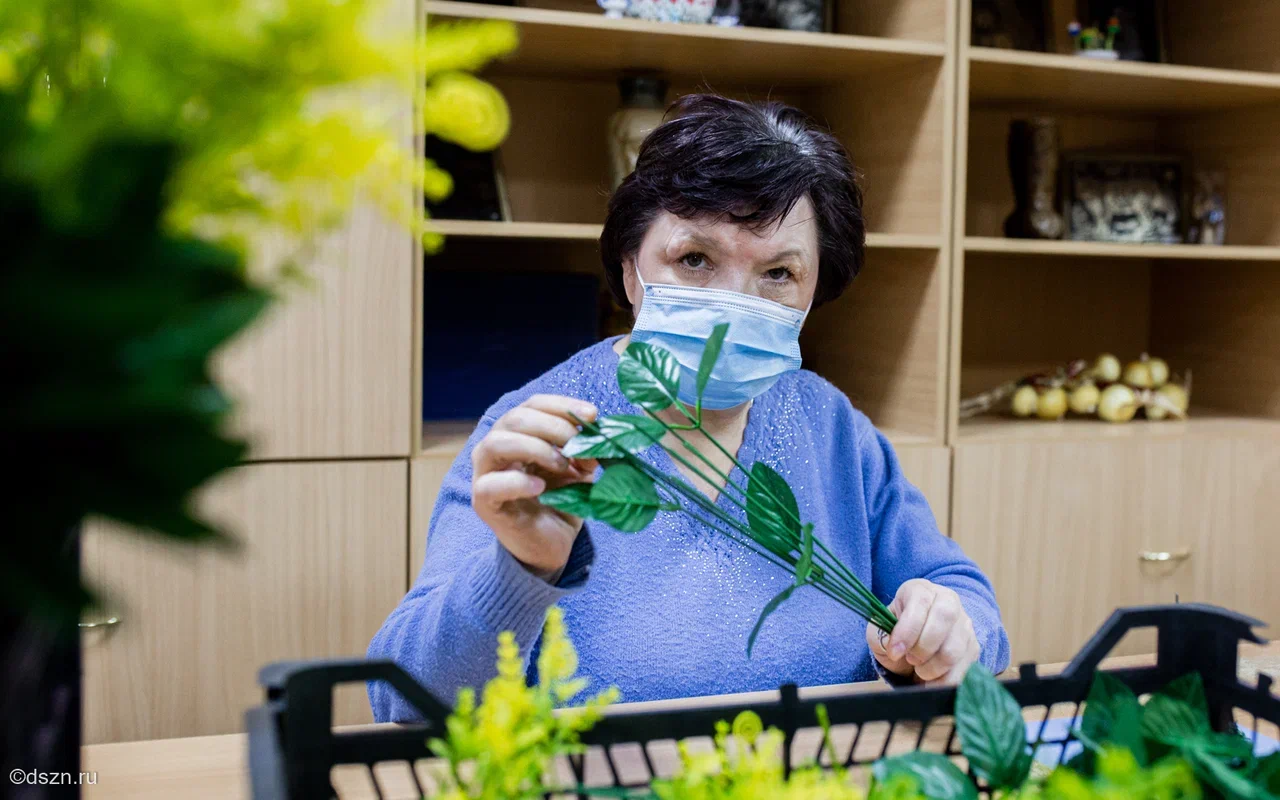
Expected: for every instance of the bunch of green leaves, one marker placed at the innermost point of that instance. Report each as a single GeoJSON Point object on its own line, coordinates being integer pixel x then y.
{"type": "Point", "coordinates": [283, 111]}
{"type": "Point", "coordinates": [746, 764]}
{"type": "Point", "coordinates": [1173, 722]}
{"type": "Point", "coordinates": [503, 748]}
{"type": "Point", "coordinates": [1119, 776]}
{"type": "Point", "coordinates": [108, 323]}
{"type": "Point", "coordinates": [632, 491]}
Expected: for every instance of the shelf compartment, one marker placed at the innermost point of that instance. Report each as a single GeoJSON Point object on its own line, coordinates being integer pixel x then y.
{"type": "Point", "coordinates": [578, 44]}
{"type": "Point", "coordinates": [1180, 252]}
{"type": "Point", "coordinates": [479, 229]}
{"type": "Point", "coordinates": [1052, 81]}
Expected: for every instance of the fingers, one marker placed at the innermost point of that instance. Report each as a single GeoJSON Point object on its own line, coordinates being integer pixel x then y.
{"type": "Point", "coordinates": [878, 641]}
{"type": "Point", "coordinates": [495, 488]}
{"type": "Point", "coordinates": [501, 449]}
{"type": "Point", "coordinates": [952, 654]}
{"type": "Point", "coordinates": [543, 425]}
{"type": "Point", "coordinates": [560, 406]}
{"type": "Point", "coordinates": [915, 598]}
{"type": "Point", "coordinates": [943, 615]}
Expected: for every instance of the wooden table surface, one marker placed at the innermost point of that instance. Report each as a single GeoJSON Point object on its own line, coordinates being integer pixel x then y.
{"type": "Point", "coordinates": [214, 767]}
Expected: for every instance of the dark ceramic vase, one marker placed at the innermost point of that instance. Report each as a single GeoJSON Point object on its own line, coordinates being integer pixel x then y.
{"type": "Point", "coordinates": [1033, 168]}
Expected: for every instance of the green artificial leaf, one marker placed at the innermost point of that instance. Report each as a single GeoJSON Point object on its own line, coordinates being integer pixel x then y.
{"type": "Point", "coordinates": [1266, 773]}
{"type": "Point", "coordinates": [804, 565]}
{"type": "Point", "coordinates": [710, 354]}
{"type": "Point", "coordinates": [649, 376]}
{"type": "Point", "coordinates": [625, 498]}
{"type": "Point", "coordinates": [769, 608]}
{"type": "Point", "coordinates": [772, 512]}
{"type": "Point", "coordinates": [935, 775]}
{"type": "Point", "coordinates": [615, 436]}
{"type": "Point", "coordinates": [1214, 771]}
{"type": "Point", "coordinates": [992, 733]}
{"type": "Point", "coordinates": [573, 499]}
{"type": "Point", "coordinates": [1113, 715]}
{"type": "Point", "coordinates": [1177, 712]}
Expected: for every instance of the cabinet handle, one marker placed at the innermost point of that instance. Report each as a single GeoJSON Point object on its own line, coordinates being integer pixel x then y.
{"type": "Point", "coordinates": [100, 623]}
{"type": "Point", "coordinates": [1150, 555]}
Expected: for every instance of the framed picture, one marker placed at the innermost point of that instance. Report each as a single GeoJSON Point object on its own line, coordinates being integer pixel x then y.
{"type": "Point", "coordinates": [1011, 24]}
{"type": "Point", "coordinates": [1142, 35]}
{"type": "Point", "coordinates": [479, 192]}
{"type": "Point", "coordinates": [1123, 198]}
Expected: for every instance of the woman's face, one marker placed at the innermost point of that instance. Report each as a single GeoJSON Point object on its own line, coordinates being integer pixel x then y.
{"type": "Point", "coordinates": [778, 263]}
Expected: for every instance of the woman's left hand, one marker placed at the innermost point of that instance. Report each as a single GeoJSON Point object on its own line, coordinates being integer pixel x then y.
{"type": "Point", "coordinates": [933, 641]}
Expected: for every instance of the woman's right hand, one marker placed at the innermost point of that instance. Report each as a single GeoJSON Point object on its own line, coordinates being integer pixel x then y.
{"type": "Point", "coordinates": [516, 461]}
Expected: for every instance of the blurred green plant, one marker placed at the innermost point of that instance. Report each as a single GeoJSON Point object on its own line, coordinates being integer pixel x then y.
{"type": "Point", "coordinates": [503, 748]}
{"type": "Point", "coordinates": [147, 147]}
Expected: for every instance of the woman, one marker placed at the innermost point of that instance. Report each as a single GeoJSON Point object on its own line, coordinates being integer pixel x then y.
{"type": "Point", "coordinates": [740, 213]}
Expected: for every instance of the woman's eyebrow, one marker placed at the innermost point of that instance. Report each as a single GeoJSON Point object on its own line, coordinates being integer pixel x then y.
{"type": "Point", "coordinates": [685, 237]}
{"type": "Point", "coordinates": [782, 255]}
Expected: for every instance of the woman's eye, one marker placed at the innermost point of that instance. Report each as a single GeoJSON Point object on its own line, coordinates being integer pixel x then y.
{"type": "Point", "coordinates": [778, 274]}
{"type": "Point", "coordinates": [694, 260]}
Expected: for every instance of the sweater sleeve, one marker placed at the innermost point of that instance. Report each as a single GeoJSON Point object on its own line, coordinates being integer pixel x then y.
{"type": "Point", "coordinates": [906, 544]}
{"type": "Point", "coordinates": [445, 630]}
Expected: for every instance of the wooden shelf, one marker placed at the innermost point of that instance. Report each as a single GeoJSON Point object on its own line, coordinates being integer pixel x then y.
{"type": "Point", "coordinates": [578, 44]}
{"type": "Point", "coordinates": [998, 428]}
{"type": "Point", "coordinates": [1187, 252]}
{"type": "Point", "coordinates": [445, 439]}
{"type": "Point", "coordinates": [568, 231]}
{"type": "Point", "coordinates": [1046, 80]}
{"type": "Point", "coordinates": [516, 230]}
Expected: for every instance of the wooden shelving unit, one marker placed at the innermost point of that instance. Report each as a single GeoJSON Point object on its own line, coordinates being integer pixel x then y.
{"type": "Point", "coordinates": [1056, 513]}
{"type": "Point", "coordinates": [884, 83]}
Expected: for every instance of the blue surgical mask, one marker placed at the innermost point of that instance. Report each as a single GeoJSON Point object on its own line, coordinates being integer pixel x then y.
{"type": "Point", "coordinates": [762, 345]}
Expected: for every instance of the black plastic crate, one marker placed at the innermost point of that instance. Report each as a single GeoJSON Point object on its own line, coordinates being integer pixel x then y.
{"type": "Point", "coordinates": [293, 750]}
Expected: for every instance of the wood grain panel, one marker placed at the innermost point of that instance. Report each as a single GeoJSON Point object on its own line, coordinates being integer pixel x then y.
{"type": "Point", "coordinates": [929, 470]}
{"type": "Point", "coordinates": [1236, 35]}
{"type": "Point", "coordinates": [894, 124]}
{"type": "Point", "coordinates": [1224, 324]}
{"type": "Point", "coordinates": [901, 19]}
{"type": "Point", "coordinates": [882, 342]}
{"type": "Point", "coordinates": [425, 476]}
{"type": "Point", "coordinates": [1244, 143]}
{"type": "Point", "coordinates": [327, 374]}
{"type": "Point", "coordinates": [322, 562]}
{"type": "Point", "coordinates": [1022, 314]}
{"type": "Point", "coordinates": [1058, 527]}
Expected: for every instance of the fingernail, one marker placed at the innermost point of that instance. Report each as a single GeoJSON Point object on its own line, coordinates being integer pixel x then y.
{"type": "Point", "coordinates": [537, 484]}
{"type": "Point", "coordinates": [586, 410]}
{"type": "Point", "coordinates": [898, 651]}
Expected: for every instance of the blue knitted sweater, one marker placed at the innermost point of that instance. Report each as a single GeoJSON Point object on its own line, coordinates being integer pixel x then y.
{"type": "Point", "coordinates": [666, 612]}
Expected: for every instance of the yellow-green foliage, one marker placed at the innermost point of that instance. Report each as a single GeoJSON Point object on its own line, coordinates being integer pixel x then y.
{"type": "Point", "coordinates": [501, 748]}
{"type": "Point", "coordinates": [284, 110]}
{"type": "Point", "coordinates": [746, 764]}
{"type": "Point", "coordinates": [1119, 777]}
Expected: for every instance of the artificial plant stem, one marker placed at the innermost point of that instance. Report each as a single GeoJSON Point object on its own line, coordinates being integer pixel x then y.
{"type": "Point", "coordinates": [860, 600]}
{"type": "Point", "coordinates": [836, 592]}
{"type": "Point", "coordinates": [829, 564]}
{"type": "Point", "coordinates": [847, 574]}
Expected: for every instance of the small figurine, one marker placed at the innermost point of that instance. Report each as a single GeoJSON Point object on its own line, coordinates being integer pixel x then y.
{"type": "Point", "coordinates": [1090, 43]}
{"type": "Point", "coordinates": [1208, 208]}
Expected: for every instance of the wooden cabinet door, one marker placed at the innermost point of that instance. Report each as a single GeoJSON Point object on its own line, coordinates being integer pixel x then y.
{"type": "Point", "coordinates": [321, 562]}
{"type": "Point", "coordinates": [327, 372]}
{"type": "Point", "coordinates": [928, 468]}
{"type": "Point", "coordinates": [1060, 526]}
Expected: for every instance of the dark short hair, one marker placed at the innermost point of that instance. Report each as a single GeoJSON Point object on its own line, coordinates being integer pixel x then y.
{"type": "Point", "coordinates": [747, 162]}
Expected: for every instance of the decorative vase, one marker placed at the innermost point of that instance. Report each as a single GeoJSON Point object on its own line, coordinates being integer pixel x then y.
{"type": "Point", "coordinates": [642, 108]}
{"type": "Point", "coordinates": [1033, 168]}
